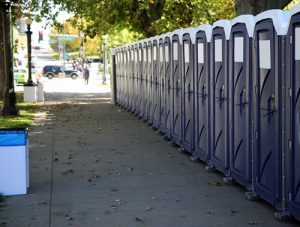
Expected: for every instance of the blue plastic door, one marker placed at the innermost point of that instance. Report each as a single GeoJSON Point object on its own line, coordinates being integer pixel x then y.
{"type": "Point", "coordinates": [168, 88]}
{"type": "Point", "coordinates": [145, 81]}
{"type": "Point", "coordinates": [293, 118]}
{"type": "Point", "coordinates": [156, 90]}
{"type": "Point", "coordinates": [188, 91]}
{"type": "Point", "coordinates": [267, 87]}
{"type": "Point", "coordinates": [150, 83]}
{"type": "Point", "coordinates": [240, 105]}
{"type": "Point", "coordinates": [162, 87]}
{"type": "Point", "coordinates": [202, 97]}
{"type": "Point", "coordinates": [177, 91]}
{"type": "Point", "coordinates": [219, 100]}
{"type": "Point", "coordinates": [141, 81]}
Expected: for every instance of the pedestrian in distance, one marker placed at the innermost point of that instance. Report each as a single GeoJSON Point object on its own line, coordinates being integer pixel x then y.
{"type": "Point", "coordinates": [86, 74]}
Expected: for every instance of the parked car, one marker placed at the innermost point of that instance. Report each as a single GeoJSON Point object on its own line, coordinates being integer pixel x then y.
{"type": "Point", "coordinates": [51, 71]}
{"type": "Point", "coordinates": [21, 75]}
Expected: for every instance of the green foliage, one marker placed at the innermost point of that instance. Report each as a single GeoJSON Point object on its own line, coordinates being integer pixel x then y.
{"type": "Point", "coordinates": [292, 4]}
{"type": "Point", "coordinates": [27, 111]}
{"type": "Point", "coordinates": [128, 20]}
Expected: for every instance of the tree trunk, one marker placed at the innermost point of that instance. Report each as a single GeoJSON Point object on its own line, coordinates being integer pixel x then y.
{"type": "Point", "coordinates": [2, 73]}
{"type": "Point", "coordinates": [257, 6]}
{"type": "Point", "coordinates": [9, 102]}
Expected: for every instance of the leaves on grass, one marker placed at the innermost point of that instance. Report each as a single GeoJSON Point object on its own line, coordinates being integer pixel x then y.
{"type": "Point", "coordinates": [215, 183]}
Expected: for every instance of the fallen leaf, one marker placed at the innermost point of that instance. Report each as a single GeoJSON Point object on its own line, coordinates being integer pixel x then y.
{"type": "Point", "coordinates": [139, 220]}
{"type": "Point", "coordinates": [209, 211]}
{"type": "Point", "coordinates": [149, 208]}
{"type": "Point", "coordinates": [43, 203]}
{"type": "Point", "coordinates": [215, 183]}
{"type": "Point", "coordinates": [68, 217]}
{"type": "Point", "coordinates": [114, 190]}
{"type": "Point", "coordinates": [70, 171]}
{"type": "Point", "coordinates": [56, 160]}
{"type": "Point", "coordinates": [130, 169]}
{"type": "Point", "coordinates": [234, 211]}
{"type": "Point", "coordinates": [253, 223]}
{"type": "Point", "coordinates": [106, 212]}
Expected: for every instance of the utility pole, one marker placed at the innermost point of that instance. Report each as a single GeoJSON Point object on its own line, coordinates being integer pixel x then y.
{"type": "Point", "coordinates": [9, 107]}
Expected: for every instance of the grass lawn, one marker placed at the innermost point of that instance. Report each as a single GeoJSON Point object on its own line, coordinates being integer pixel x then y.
{"type": "Point", "coordinates": [24, 120]}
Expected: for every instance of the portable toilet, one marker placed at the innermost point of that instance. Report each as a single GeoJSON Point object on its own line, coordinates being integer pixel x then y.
{"type": "Point", "coordinates": [220, 94]}
{"type": "Point", "coordinates": [292, 94]}
{"type": "Point", "coordinates": [150, 81]}
{"type": "Point", "coordinates": [176, 103]}
{"type": "Point", "coordinates": [187, 78]}
{"type": "Point", "coordinates": [145, 79]}
{"type": "Point", "coordinates": [202, 93]}
{"type": "Point", "coordinates": [155, 83]}
{"type": "Point", "coordinates": [240, 99]}
{"type": "Point", "coordinates": [166, 127]}
{"type": "Point", "coordinates": [131, 79]}
{"type": "Point", "coordinates": [127, 74]}
{"type": "Point", "coordinates": [269, 42]}
{"type": "Point", "coordinates": [113, 86]}
{"type": "Point", "coordinates": [121, 74]}
{"type": "Point", "coordinates": [126, 90]}
{"type": "Point", "coordinates": [117, 76]}
{"type": "Point", "coordinates": [162, 85]}
{"type": "Point", "coordinates": [136, 79]}
{"type": "Point", "coordinates": [141, 97]}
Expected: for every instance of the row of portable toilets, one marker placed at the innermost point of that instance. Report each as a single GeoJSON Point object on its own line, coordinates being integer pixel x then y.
{"type": "Point", "coordinates": [229, 94]}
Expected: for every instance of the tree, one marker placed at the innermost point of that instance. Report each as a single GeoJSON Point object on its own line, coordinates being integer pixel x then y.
{"type": "Point", "coordinates": [2, 73]}
{"type": "Point", "coordinates": [257, 6]}
{"type": "Point", "coordinates": [9, 107]}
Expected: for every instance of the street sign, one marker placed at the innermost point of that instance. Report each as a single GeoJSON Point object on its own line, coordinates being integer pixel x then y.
{"type": "Point", "coordinates": [66, 38]}
{"type": "Point", "coordinates": [51, 41]}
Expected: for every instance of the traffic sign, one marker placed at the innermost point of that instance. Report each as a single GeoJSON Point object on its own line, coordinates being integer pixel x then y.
{"type": "Point", "coordinates": [51, 41]}
{"type": "Point", "coordinates": [66, 38]}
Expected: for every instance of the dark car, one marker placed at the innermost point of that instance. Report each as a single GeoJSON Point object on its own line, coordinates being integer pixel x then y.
{"type": "Point", "coordinates": [51, 71]}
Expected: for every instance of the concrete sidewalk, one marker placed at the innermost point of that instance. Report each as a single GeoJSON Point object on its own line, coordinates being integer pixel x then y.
{"type": "Point", "coordinates": [94, 164]}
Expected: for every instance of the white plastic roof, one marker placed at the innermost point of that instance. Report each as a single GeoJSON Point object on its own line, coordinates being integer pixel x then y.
{"type": "Point", "coordinates": [248, 20]}
{"type": "Point", "coordinates": [280, 19]}
{"type": "Point", "coordinates": [226, 25]}
{"type": "Point", "coordinates": [295, 9]}
{"type": "Point", "coordinates": [207, 28]}
{"type": "Point", "coordinates": [192, 32]}
{"type": "Point", "coordinates": [180, 32]}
